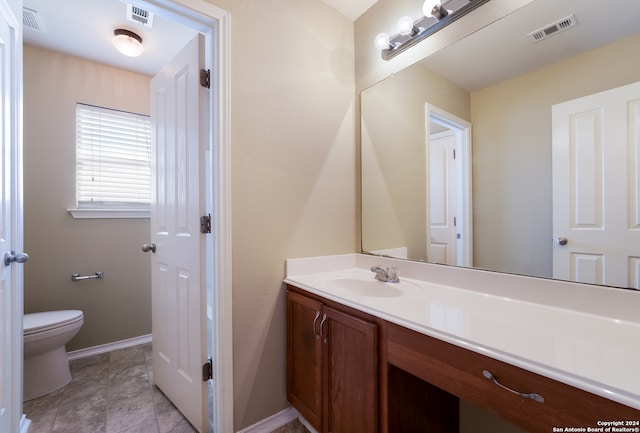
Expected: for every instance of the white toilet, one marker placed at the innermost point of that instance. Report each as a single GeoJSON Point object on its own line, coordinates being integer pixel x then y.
{"type": "Point", "coordinates": [46, 367]}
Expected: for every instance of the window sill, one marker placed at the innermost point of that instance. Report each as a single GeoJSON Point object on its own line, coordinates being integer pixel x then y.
{"type": "Point", "coordinates": [109, 213]}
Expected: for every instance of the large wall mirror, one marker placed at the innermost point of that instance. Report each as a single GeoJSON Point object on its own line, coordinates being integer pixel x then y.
{"type": "Point", "coordinates": [541, 111]}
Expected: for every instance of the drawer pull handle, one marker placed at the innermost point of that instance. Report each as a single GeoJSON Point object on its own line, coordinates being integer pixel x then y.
{"type": "Point", "coordinates": [322, 334]}
{"type": "Point", "coordinates": [532, 396]}
{"type": "Point", "coordinates": [315, 327]}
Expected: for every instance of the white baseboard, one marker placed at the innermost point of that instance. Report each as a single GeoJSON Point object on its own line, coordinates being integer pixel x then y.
{"type": "Point", "coordinates": [109, 347]}
{"type": "Point", "coordinates": [307, 425]}
{"type": "Point", "coordinates": [24, 424]}
{"type": "Point", "coordinates": [272, 423]}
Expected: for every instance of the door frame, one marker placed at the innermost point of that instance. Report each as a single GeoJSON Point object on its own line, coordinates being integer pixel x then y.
{"type": "Point", "coordinates": [12, 360]}
{"type": "Point", "coordinates": [463, 162]}
{"type": "Point", "coordinates": [215, 24]}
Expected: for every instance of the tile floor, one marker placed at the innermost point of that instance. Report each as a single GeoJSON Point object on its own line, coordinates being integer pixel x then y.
{"type": "Point", "coordinates": [112, 393]}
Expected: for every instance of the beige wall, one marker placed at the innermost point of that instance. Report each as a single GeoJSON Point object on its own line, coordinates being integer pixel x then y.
{"type": "Point", "coordinates": [512, 154]}
{"type": "Point", "coordinates": [119, 306]}
{"type": "Point", "coordinates": [293, 173]}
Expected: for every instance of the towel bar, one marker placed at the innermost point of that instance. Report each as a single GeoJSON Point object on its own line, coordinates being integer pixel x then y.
{"type": "Point", "coordinates": [77, 277]}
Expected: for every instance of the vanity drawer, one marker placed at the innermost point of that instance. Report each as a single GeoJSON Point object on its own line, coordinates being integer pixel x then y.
{"type": "Point", "coordinates": [460, 372]}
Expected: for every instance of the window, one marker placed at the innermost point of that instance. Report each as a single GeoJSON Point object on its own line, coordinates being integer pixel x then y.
{"type": "Point", "coordinates": [113, 152]}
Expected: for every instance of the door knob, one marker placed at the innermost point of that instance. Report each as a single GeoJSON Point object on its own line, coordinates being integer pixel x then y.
{"type": "Point", "coordinates": [561, 240]}
{"type": "Point", "coordinates": [10, 257]}
{"type": "Point", "coordinates": [149, 247]}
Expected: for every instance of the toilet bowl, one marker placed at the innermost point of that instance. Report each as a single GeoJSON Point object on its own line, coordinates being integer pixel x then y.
{"type": "Point", "coordinates": [46, 368]}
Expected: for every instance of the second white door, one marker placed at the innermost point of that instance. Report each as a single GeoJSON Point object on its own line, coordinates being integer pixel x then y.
{"type": "Point", "coordinates": [442, 198]}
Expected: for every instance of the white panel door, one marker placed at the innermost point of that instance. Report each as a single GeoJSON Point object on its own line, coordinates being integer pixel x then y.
{"type": "Point", "coordinates": [596, 188]}
{"type": "Point", "coordinates": [442, 199]}
{"type": "Point", "coordinates": [178, 268]}
{"type": "Point", "coordinates": [11, 272]}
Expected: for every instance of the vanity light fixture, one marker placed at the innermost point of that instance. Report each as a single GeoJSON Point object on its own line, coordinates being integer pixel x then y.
{"type": "Point", "coordinates": [406, 27]}
{"type": "Point", "coordinates": [127, 42]}
{"type": "Point", "coordinates": [438, 11]}
{"type": "Point", "coordinates": [435, 17]}
{"type": "Point", "coordinates": [382, 42]}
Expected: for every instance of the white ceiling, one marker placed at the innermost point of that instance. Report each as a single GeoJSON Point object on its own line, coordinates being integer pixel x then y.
{"type": "Point", "coordinates": [351, 9]}
{"type": "Point", "coordinates": [85, 29]}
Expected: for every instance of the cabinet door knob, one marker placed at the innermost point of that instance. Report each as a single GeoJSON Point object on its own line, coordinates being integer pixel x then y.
{"type": "Point", "coordinates": [532, 396]}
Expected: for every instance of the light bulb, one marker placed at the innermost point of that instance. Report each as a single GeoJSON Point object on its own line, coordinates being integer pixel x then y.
{"type": "Point", "coordinates": [436, 11]}
{"type": "Point", "coordinates": [382, 41]}
{"type": "Point", "coordinates": [128, 43]}
{"type": "Point", "coordinates": [426, 8]}
{"type": "Point", "coordinates": [406, 27]}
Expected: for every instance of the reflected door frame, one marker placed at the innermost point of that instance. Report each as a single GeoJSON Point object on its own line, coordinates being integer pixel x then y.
{"type": "Point", "coordinates": [463, 178]}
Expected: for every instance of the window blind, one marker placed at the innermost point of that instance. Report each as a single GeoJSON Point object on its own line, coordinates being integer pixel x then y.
{"type": "Point", "coordinates": [113, 152]}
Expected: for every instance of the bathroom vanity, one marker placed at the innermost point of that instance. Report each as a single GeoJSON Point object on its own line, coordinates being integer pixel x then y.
{"type": "Point", "coordinates": [369, 356]}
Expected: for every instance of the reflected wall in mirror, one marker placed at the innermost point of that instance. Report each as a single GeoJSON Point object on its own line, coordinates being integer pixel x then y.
{"type": "Point", "coordinates": [504, 84]}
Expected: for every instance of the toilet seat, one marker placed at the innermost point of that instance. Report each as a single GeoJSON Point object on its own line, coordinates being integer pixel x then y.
{"type": "Point", "coordinates": [49, 320]}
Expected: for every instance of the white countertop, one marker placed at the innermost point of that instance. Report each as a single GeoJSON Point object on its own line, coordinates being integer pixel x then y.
{"type": "Point", "coordinates": [578, 334]}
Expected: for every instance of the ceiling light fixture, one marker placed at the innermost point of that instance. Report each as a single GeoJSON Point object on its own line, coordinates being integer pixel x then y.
{"type": "Point", "coordinates": [127, 42]}
{"type": "Point", "coordinates": [435, 18]}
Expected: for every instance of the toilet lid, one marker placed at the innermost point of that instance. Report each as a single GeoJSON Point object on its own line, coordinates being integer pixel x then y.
{"type": "Point", "coordinates": [38, 322]}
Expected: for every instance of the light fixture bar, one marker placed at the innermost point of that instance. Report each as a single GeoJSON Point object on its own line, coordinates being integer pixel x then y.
{"type": "Point", "coordinates": [427, 26]}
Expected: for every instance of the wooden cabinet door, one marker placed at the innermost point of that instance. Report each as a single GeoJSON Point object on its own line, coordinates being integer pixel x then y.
{"type": "Point", "coordinates": [351, 360]}
{"type": "Point", "coordinates": [304, 357]}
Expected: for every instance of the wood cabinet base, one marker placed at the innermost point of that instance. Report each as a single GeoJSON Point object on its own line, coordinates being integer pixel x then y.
{"type": "Point", "coordinates": [417, 406]}
{"type": "Point", "coordinates": [351, 372]}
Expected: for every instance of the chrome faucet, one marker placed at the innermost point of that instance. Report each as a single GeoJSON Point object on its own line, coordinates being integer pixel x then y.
{"type": "Point", "coordinates": [388, 275]}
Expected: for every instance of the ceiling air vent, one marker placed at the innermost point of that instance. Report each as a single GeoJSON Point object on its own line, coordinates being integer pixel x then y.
{"type": "Point", "coordinates": [553, 29]}
{"type": "Point", "coordinates": [139, 15]}
{"type": "Point", "coordinates": [32, 20]}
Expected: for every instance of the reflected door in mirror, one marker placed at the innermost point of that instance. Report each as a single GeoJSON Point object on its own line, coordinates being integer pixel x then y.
{"type": "Point", "coordinates": [442, 199]}
{"type": "Point", "coordinates": [596, 196]}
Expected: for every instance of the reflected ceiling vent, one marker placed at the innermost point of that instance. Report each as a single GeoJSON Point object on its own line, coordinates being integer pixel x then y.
{"type": "Point", "coordinates": [139, 15]}
{"type": "Point", "coordinates": [553, 29]}
{"type": "Point", "coordinates": [32, 20]}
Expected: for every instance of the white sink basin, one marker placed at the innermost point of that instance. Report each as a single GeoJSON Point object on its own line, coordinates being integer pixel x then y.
{"type": "Point", "coordinates": [360, 287]}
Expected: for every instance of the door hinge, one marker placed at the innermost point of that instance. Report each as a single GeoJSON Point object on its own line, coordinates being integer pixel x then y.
{"type": "Point", "coordinates": [207, 370]}
{"type": "Point", "coordinates": [205, 224]}
{"type": "Point", "coordinates": [205, 78]}
{"type": "Point", "coordinates": [454, 154]}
